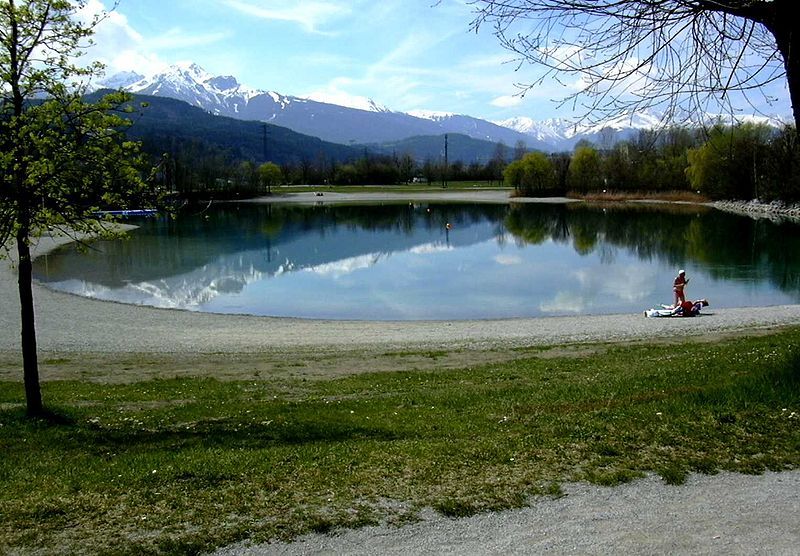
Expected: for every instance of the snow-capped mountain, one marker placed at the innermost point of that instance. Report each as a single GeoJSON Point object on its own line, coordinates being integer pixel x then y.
{"type": "Point", "coordinates": [564, 134]}
{"type": "Point", "coordinates": [349, 101]}
{"type": "Point", "coordinates": [192, 84]}
{"type": "Point", "coordinates": [122, 80]}
{"type": "Point", "coordinates": [350, 120]}
{"type": "Point", "coordinates": [551, 131]}
{"type": "Point", "coordinates": [363, 122]}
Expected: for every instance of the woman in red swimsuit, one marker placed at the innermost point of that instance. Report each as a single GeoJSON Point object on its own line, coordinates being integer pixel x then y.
{"type": "Point", "coordinates": [677, 287]}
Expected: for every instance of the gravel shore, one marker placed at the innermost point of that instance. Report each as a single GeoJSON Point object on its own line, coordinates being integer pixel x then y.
{"type": "Point", "coordinates": [70, 323]}
{"type": "Point", "coordinates": [721, 514]}
{"type": "Point", "coordinates": [725, 514]}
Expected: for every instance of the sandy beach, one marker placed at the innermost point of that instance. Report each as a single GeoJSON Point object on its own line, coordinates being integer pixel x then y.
{"type": "Point", "coordinates": [722, 514]}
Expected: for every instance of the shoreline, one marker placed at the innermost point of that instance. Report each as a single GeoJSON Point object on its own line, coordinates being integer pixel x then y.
{"type": "Point", "coordinates": [724, 513]}
{"type": "Point", "coordinates": [494, 196]}
{"type": "Point", "coordinates": [775, 211]}
{"type": "Point", "coordinates": [71, 323]}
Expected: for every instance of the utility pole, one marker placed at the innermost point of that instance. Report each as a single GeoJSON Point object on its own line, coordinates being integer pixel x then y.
{"type": "Point", "coordinates": [265, 143]}
{"type": "Point", "coordinates": [446, 166]}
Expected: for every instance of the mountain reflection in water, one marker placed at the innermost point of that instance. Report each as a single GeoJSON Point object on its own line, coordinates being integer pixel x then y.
{"type": "Point", "coordinates": [400, 261]}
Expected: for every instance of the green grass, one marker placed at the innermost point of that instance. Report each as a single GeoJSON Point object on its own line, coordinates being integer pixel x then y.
{"type": "Point", "coordinates": [186, 465]}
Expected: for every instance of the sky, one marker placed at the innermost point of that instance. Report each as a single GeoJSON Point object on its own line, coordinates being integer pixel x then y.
{"type": "Point", "coordinates": [404, 54]}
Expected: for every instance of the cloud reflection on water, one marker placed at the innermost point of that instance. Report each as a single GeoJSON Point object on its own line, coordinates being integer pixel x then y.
{"type": "Point", "coordinates": [396, 262]}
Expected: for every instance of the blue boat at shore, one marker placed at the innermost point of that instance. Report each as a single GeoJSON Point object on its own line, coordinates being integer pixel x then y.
{"type": "Point", "coordinates": [131, 212]}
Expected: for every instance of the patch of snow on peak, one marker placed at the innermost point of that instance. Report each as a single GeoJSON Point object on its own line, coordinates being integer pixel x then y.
{"type": "Point", "coordinates": [432, 115]}
{"type": "Point", "coordinates": [638, 120]}
{"type": "Point", "coordinates": [543, 130]}
{"type": "Point", "coordinates": [121, 80]}
{"type": "Point", "coordinates": [339, 98]}
{"type": "Point", "coordinates": [190, 68]}
{"type": "Point", "coordinates": [523, 124]}
{"type": "Point", "coordinates": [279, 99]}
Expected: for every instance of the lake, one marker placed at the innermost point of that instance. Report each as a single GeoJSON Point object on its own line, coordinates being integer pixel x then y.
{"type": "Point", "coordinates": [401, 261]}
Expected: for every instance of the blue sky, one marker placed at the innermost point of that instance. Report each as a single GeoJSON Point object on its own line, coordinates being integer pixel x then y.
{"type": "Point", "coordinates": [404, 54]}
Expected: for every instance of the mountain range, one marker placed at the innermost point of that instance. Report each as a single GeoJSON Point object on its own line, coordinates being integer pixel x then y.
{"type": "Point", "coordinates": [366, 123]}
{"type": "Point", "coordinates": [169, 125]}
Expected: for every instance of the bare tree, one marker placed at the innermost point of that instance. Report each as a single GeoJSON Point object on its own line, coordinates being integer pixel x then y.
{"type": "Point", "coordinates": [685, 56]}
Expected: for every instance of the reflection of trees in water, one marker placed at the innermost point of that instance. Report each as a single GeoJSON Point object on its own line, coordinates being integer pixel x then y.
{"type": "Point", "coordinates": [535, 224]}
{"type": "Point", "coordinates": [407, 216]}
{"type": "Point", "coordinates": [742, 248]}
{"type": "Point", "coordinates": [258, 232]}
{"type": "Point", "coordinates": [726, 246]}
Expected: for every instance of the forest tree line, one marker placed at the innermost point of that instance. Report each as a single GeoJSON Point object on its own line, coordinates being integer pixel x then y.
{"type": "Point", "coordinates": [745, 161]}
{"type": "Point", "coordinates": [742, 162]}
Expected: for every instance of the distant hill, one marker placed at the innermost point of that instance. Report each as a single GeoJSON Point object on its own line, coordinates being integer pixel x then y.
{"type": "Point", "coordinates": [165, 123]}
{"type": "Point", "coordinates": [367, 123]}
{"type": "Point", "coordinates": [162, 123]}
{"type": "Point", "coordinates": [431, 147]}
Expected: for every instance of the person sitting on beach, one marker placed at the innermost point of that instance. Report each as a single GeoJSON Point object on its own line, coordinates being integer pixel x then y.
{"type": "Point", "coordinates": [685, 309]}
{"type": "Point", "coordinates": [689, 308]}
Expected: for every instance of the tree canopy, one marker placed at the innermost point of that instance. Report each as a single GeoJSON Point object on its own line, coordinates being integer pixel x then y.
{"type": "Point", "coordinates": [532, 175]}
{"type": "Point", "coordinates": [729, 164]}
{"type": "Point", "coordinates": [62, 160]}
{"type": "Point", "coordinates": [686, 56]}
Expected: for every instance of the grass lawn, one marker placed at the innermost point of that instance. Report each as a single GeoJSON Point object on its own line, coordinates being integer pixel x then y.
{"type": "Point", "coordinates": [187, 464]}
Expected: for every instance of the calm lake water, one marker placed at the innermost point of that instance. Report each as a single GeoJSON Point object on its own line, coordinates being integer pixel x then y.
{"type": "Point", "coordinates": [400, 261]}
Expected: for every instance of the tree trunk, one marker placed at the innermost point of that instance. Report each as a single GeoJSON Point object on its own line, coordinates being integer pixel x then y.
{"type": "Point", "coordinates": [791, 59]}
{"type": "Point", "coordinates": [30, 363]}
{"type": "Point", "coordinates": [782, 24]}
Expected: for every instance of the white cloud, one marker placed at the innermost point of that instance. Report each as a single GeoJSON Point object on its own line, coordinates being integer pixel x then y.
{"type": "Point", "coordinates": [594, 291]}
{"type": "Point", "coordinates": [309, 15]}
{"type": "Point", "coordinates": [337, 269]}
{"type": "Point", "coordinates": [507, 260]}
{"type": "Point", "coordinates": [507, 101]}
{"type": "Point", "coordinates": [636, 283]}
{"type": "Point", "coordinates": [411, 75]}
{"type": "Point", "coordinates": [565, 302]}
{"type": "Point", "coordinates": [118, 45]}
{"type": "Point", "coordinates": [429, 248]}
{"type": "Point", "coordinates": [91, 10]}
{"type": "Point", "coordinates": [179, 38]}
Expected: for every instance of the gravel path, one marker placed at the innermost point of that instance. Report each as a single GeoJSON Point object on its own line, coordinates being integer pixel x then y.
{"type": "Point", "coordinates": [725, 514]}
{"type": "Point", "coordinates": [722, 514]}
